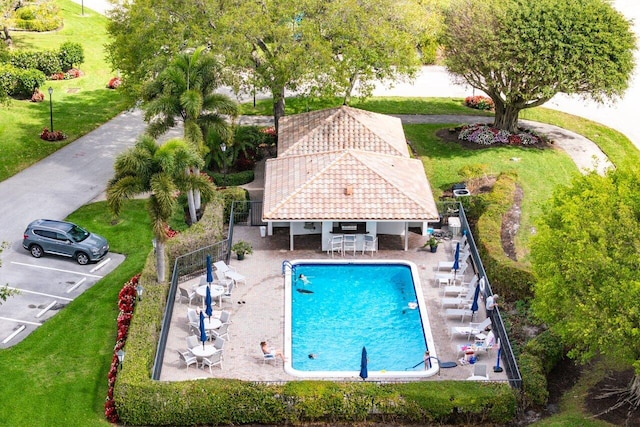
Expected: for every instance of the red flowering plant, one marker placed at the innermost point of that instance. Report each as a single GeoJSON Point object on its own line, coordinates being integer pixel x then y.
{"type": "Point", "coordinates": [126, 304]}
{"type": "Point", "coordinates": [170, 232]}
{"type": "Point", "coordinates": [483, 134]}
{"type": "Point", "coordinates": [57, 76]}
{"type": "Point", "coordinates": [479, 102]}
{"type": "Point", "coordinates": [47, 135]}
{"type": "Point", "coordinates": [38, 96]}
{"type": "Point", "coordinates": [72, 73]}
{"type": "Point", "coordinates": [114, 83]}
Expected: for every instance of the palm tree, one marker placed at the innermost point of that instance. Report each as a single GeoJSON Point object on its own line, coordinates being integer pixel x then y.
{"type": "Point", "coordinates": [157, 169]}
{"type": "Point", "coordinates": [185, 89]}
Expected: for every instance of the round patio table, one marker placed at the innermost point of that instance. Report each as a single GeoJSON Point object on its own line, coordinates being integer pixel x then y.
{"type": "Point", "coordinates": [216, 291]}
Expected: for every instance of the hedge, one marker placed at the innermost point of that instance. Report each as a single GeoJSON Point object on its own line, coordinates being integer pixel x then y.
{"type": "Point", "coordinates": [42, 16]}
{"type": "Point", "coordinates": [511, 279]}
{"type": "Point", "coordinates": [232, 179]}
{"type": "Point", "coordinates": [141, 401]}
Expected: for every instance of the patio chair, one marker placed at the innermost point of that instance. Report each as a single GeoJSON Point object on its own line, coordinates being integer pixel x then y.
{"type": "Point", "coordinates": [193, 320]}
{"type": "Point", "coordinates": [462, 312]}
{"type": "Point", "coordinates": [192, 341]}
{"type": "Point", "coordinates": [218, 344]}
{"type": "Point", "coordinates": [225, 316]}
{"type": "Point", "coordinates": [349, 244]}
{"type": "Point", "coordinates": [189, 295]}
{"type": "Point", "coordinates": [269, 357]}
{"type": "Point", "coordinates": [472, 329]}
{"type": "Point", "coordinates": [227, 296]}
{"type": "Point", "coordinates": [215, 360]}
{"type": "Point", "coordinates": [187, 358]}
{"type": "Point", "coordinates": [479, 373]}
{"type": "Point", "coordinates": [222, 280]}
{"type": "Point", "coordinates": [448, 265]}
{"type": "Point", "coordinates": [370, 244]}
{"type": "Point", "coordinates": [336, 245]}
{"type": "Point", "coordinates": [460, 300]}
{"type": "Point", "coordinates": [464, 244]}
{"type": "Point", "coordinates": [458, 289]}
{"type": "Point", "coordinates": [222, 332]}
{"type": "Point", "coordinates": [230, 272]}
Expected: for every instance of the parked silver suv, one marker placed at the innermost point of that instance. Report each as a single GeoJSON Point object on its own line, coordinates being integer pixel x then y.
{"type": "Point", "coordinates": [64, 238]}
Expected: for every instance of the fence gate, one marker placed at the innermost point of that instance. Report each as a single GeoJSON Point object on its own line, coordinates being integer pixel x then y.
{"type": "Point", "coordinates": [256, 214]}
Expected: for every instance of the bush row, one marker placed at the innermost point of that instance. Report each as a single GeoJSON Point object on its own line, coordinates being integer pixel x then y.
{"type": "Point", "coordinates": [231, 179]}
{"type": "Point", "coordinates": [515, 282]}
{"type": "Point", "coordinates": [49, 61]}
{"type": "Point", "coordinates": [141, 401]}
{"type": "Point", "coordinates": [511, 279]}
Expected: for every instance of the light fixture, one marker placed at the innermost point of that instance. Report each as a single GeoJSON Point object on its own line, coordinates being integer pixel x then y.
{"type": "Point", "coordinates": [50, 90]}
{"type": "Point", "coordinates": [139, 291]}
{"type": "Point", "coordinates": [223, 147]}
{"type": "Point", "coordinates": [120, 353]}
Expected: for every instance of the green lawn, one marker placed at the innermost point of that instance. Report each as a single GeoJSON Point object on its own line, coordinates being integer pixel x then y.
{"type": "Point", "coordinates": [57, 376]}
{"type": "Point", "coordinates": [79, 105]}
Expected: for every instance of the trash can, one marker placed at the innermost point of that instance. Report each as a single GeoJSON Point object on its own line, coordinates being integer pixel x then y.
{"type": "Point", "coordinates": [454, 225]}
{"type": "Point", "coordinates": [263, 231]}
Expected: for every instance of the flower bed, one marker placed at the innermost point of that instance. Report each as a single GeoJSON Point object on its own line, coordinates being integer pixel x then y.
{"type": "Point", "coordinates": [48, 135]}
{"type": "Point", "coordinates": [483, 134]}
{"type": "Point", "coordinates": [479, 102]}
{"type": "Point", "coordinates": [126, 304]}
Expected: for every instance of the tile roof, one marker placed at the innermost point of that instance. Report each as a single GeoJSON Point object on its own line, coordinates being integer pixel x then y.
{"type": "Point", "coordinates": [313, 187]}
{"type": "Point", "coordinates": [341, 128]}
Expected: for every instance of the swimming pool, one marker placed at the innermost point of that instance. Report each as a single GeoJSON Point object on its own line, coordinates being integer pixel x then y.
{"type": "Point", "coordinates": [350, 304]}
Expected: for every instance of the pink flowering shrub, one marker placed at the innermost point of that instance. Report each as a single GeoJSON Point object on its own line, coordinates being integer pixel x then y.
{"type": "Point", "coordinates": [114, 83]}
{"type": "Point", "coordinates": [479, 102]}
{"type": "Point", "coordinates": [483, 134]}
{"type": "Point", "coordinates": [38, 96]}
{"type": "Point", "coordinates": [126, 304]}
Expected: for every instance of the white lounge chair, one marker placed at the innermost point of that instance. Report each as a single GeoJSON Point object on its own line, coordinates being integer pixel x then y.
{"type": "Point", "coordinates": [479, 373]}
{"type": "Point", "coordinates": [230, 272]}
{"type": "Point", "coordinates": [448, 265]}
{"type": "Point", "coordinates": [472, 329]}
{"type": "Point", "coordinates": [460, 300]}
{"type": "Point", "coordinates": [462, 312]}
{"type": "Point", "coordinates": [460, 289]}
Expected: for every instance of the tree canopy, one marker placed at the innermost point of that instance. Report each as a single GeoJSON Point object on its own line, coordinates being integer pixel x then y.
{"type": "Point", "coordinates": [521, 52]}
{"type": "Point", "coordinates": [586, 257]}
{"type": "Point", "coordinates": [308, 46]}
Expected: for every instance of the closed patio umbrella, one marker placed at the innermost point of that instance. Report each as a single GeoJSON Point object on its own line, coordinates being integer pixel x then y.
{"type": "Point", "coordinates": [207, 302]}
{"type": "Point", "coordinates": [364, 372]}
{"type": "Point", "coordinates": [203, 333]}
{"type": "Point", "coordinates": [456, 260]}
{"type": "Point", "coordinates": [474, 304]}
{"type": "Point", "coordinates": [209, 270]}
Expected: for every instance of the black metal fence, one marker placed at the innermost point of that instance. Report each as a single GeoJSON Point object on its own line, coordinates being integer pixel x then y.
{"type": "Point", "coordinates": [511, 366]}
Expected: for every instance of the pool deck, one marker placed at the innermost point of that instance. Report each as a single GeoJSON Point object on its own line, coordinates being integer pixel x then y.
{"type": "Point", "coordinates": [257, 309]}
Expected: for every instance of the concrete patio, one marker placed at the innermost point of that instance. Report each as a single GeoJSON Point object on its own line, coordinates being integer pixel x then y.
{"type": "Point", "coordinates": [258, 312]}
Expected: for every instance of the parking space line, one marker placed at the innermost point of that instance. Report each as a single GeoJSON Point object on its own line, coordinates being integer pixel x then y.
{"type": "Point", "coordinates": [73, 288]}
{"type": "Point", "coordinates": [102, 264]}
{"type": "Point", "coordinates": [21, 321]}
{"type": "Point", "coordinates": [57, 269]}
{"type": "Point", "coordinates": [47, 308]}
{"type": "Point", "coordinates": [40, 293]}
{"type": "Point", "coordinates": [12, 335]}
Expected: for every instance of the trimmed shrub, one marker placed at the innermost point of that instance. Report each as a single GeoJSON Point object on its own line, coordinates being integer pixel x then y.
{"type": "Point", "coordinates": [24, 59]}
{"type": "Point", "coordinates": [8, 79]}
{"type": "Point", "coordinates": [49, 62]}
{"type": "Point", "coordinates": [548, 348]}
{"type": "Point", "coordinates": [232, 179]}
{"type": "Point", "coordinates": [534, 381]}
{"type": "Point", "coordinates": [44, 16]}
{"type": "Point", "coordinates": [27, 81]}
{"type": "Point", "coordinates": [70, 54]}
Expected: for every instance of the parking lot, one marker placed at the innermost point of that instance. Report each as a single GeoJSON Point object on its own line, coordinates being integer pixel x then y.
{"type": "Point", "coordinates": [46, 286]}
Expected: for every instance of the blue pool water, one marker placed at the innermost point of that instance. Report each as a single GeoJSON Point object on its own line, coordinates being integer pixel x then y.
{"type": "Point", "coordinates": [346, 306]}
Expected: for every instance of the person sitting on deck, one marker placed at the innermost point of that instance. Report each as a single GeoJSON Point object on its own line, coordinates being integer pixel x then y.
{"type": "Point", "coordinates": [271, 352]}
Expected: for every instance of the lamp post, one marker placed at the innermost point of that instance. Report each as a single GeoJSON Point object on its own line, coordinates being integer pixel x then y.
{"type": "Point", "coordinates": [50, 90]}
{"type": "Point", "coordinates": [223, 147]}
{"type": "Point", "coordinates": [139, 290]}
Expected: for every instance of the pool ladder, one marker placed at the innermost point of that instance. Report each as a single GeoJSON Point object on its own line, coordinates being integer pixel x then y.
{"type": "Point", "coordinates": [286, 264]}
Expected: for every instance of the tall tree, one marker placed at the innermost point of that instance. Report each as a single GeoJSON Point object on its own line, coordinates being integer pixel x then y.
{"type": "Point", "coordinates": [158, 170]}
{"type": "Point", "coordinates": [521, 52]}
{"type": "Point", "coordinates": [307, 46]}
{"type": "Point", "coordinates": [186, 90]}
{"type": "Point", "coordinates": [585, 256]}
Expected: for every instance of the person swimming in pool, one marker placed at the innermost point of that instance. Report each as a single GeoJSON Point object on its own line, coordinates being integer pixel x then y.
{"type": "Point", "coordinates": [303, 279]}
